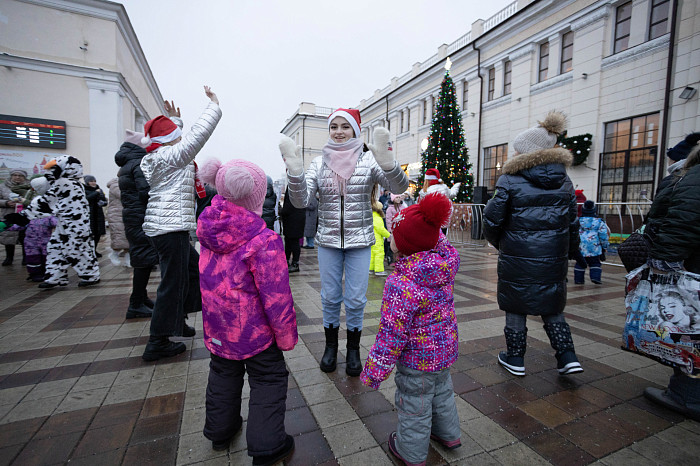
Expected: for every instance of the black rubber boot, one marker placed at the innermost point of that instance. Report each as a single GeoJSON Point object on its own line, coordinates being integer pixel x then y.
{"type": "Point", "coordinates": [161, 347]}
{"type": "Point", "coordinates": [330, 354]}
{"type": "Point", "coordinates": [353, 365]}
{"type": "Point", "coordinates": [559, 334]}
{"type": "Point", "coordinates": [513, 360]}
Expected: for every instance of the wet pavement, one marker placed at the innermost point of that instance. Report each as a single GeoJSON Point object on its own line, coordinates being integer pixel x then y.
{"type": "Point", "coordinates": [73, 386]}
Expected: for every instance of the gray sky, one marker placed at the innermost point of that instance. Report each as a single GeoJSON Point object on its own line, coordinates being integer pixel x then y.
{"type": "Point", "coordinates": [262, 58]}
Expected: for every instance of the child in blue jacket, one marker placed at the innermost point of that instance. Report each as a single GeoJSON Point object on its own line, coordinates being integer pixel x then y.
{"type": "Point", "coordinates": [594, 241]}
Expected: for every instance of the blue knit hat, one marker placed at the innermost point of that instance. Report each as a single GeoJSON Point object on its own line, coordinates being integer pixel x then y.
{"type": "Point", "coordinates": [681, 150]}
{"type": "Point", "coordinates": [589, 209]}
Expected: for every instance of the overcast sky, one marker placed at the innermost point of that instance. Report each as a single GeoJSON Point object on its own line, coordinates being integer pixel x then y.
{"type": "Point", "coordinates": [262, 58]}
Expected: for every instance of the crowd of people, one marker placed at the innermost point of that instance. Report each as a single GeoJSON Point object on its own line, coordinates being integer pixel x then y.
{"type": "Point", "coordinates": [160, 196]}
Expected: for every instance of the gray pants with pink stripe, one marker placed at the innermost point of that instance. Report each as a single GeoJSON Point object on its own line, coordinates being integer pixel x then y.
{"type": "Point", "coordinates": [425, 403]}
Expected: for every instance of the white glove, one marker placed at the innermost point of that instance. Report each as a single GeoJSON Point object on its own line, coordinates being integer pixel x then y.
{"type": "Point", "coordinates": [291, 154]}
{"type": "Point", "coordinates": [381, 149]}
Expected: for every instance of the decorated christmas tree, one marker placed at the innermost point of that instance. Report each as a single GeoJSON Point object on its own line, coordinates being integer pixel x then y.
{"type": "Point", "coordinates": [446, 150]}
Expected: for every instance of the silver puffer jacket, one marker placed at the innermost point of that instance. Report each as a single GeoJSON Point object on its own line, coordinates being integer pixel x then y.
{"type": "Point", "coordinates": [344, 221]}
{"type": "Point", "coordinates": [169, 171]}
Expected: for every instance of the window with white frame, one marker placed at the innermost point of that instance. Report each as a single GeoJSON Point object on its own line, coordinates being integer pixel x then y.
{"type": "Point", "coordinates": [494, 158]}
{"type": "Point", "coordinates": [623, 20]}
{"type": "Point", "coordinates": [465, 96]}
{"type": "Point", "coordinates": [425, 111]}
{"type": "Point", "coordinates": [543, 68]}
{"type": "Point", "coordinates": [401, 123]}
{"type": "Point", "coordinates": [408, 119]}
{"type": "Point", "coordinates": [567, 52]}
{"type": "Point", "coordinates": [492, 84]}
{"type": "Point", "coordinates": [658, 22]}
{"type": "Point", "coordinates": [507, 73]}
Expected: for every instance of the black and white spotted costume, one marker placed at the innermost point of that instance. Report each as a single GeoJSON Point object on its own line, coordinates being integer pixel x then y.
{"type": "Point", "coordinates": [70, 243]}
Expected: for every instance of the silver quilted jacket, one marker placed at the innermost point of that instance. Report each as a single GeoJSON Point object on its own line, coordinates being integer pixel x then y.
{"type": "Point", "coordinates": [169, 171]}
{"type": "Point", "coordinates": [344, 221]}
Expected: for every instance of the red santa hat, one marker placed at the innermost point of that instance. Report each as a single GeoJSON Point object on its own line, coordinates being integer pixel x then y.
{"type": "Point", "coordinates": [417, 228]}
{"type": "Point", "coordinates": [158, 131]}
{"type": "Point", "coordinates": [351, 115]}
{"type": "Point", "coordinates": [432, 176]}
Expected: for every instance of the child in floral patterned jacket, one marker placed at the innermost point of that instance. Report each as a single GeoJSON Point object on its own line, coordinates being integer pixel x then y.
{"type": "Point", "coordinates": [247, 310]}
{"type": "Point", "coordinates": [418, 332]}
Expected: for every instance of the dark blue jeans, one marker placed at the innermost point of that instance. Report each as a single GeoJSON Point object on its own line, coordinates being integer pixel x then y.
{"type": "Point", "coordinates": [178, 292]}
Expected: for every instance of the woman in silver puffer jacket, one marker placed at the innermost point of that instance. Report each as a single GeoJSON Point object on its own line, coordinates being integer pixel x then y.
{"type": "Point", "coordinates": [343, 177]}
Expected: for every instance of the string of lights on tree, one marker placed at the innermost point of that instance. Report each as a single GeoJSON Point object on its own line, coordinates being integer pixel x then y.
{"type": "Point", "coordinates": [579, 146]}
{"type": "Point", "coordinates": [446, 149]}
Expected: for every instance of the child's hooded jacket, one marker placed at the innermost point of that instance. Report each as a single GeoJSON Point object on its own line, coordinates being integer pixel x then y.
{"type": "Point", "coordinates": [246, 300]}
{"type": "Point", "coordinates": [418, 327]}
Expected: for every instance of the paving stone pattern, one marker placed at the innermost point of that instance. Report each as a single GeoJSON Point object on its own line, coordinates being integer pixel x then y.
{"type": "Point", "coordinates": [73, 386]}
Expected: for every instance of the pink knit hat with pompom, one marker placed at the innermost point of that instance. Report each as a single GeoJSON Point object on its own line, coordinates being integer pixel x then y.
{"type": "Point", "coordinates": [238, 181]}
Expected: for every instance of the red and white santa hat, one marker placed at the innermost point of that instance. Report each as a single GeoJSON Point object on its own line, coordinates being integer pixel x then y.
{"type": "Point", "coordinates": [158, 131]}
{"type": "Point", "coordinates": [432, 175]}
{"type": "Point", "coordinates": [351, 115]}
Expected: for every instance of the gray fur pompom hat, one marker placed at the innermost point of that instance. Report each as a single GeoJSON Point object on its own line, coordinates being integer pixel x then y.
{"type": "Point", "coordinates": [542, 136]}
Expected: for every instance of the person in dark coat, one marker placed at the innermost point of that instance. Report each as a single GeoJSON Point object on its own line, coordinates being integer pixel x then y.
{"type": "Point", "coordinates": [97, 200]}
{"type": "Point", "coordinates": [134, 189]}
{"type": "Point", "coordinates": [268, 212]}
{"type": "Point", "coordinates": [674, 225]}
{"type": "Point", "coordinates": [311, 222]}
{"type": "Point", "coordinates": [293, 221]}
{"type": "Point", "coordinates": [532, 220]}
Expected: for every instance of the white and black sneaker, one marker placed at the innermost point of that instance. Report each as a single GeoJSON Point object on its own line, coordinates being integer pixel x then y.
{"type": "Point", "coordinates": [513, 364]}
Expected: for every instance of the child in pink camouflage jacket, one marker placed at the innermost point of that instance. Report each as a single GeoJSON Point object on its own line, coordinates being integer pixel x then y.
{"type": "Point", "coordinates": [418, 332]}
{"type": "Point", "coordinates": [247, 310]}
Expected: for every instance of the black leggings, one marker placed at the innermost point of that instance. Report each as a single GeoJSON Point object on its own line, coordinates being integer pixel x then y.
{"type": "Point", "coordinates": [292, 248]}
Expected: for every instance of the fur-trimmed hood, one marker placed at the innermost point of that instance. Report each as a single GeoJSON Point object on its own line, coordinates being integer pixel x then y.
{"type": "Point", "coordinates": [693, 158]}
{"type": "Point", "coordinates": [545, 168]}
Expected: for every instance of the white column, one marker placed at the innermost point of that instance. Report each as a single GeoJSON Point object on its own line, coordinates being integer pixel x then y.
{"type": "Point", "coordinates": [106, 128]}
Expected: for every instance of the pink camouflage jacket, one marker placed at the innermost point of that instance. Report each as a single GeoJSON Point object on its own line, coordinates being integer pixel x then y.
{"type": "Point", "coordinates": [418, 326]}
{"type": "Point", "coordinates": [246, 300]}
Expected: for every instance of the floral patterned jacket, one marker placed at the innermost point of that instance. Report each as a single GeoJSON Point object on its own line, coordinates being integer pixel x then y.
{"type": "Point", "coordinates": [247, 304]}
{"type": "Point", "coordinates": [418, 326]}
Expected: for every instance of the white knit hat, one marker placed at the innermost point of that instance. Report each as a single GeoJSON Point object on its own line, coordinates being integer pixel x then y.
{"type": "Point", "coordinates": [542, 136]}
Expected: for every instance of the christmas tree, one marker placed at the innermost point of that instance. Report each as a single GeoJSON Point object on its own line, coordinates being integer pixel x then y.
{"type": "Point", "coordinates": [446, 150]}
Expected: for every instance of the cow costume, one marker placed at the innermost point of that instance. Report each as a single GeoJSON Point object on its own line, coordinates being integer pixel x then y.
{"type": "Point", "coordinates": [70, 243]}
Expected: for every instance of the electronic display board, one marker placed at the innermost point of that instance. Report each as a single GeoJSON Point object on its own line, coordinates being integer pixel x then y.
{"type": "Point", "coordinates": [32, 132]}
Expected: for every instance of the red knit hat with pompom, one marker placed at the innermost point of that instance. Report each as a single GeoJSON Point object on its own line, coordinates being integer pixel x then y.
{"type": "Point", "coordinates": [417, 228]}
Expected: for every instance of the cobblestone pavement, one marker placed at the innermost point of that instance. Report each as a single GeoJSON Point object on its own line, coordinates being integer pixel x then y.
{"type": "Point", "coordinates": [73, 386]}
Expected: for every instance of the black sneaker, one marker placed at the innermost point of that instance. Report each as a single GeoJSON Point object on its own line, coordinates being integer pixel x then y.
{"type": "Point", "coordinates": [162, 347]}
{"type": "Point", "coordinates": [513, 364]}
{"type": "Point", "coordinates": [268, 460]}
{"type": "Point", "coordinates": [84, 283]}
{"type": "Point", "coordinates": [138, 312]}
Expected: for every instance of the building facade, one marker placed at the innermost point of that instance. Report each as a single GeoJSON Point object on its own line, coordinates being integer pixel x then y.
{"type": "Point", "coordinates": [624, 71]}
{"type": "Point", "coordinates": [77, 62]}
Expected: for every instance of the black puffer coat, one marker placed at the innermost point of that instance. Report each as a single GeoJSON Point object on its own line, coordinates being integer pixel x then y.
{"type": "Point", "coordinates": [293, 219]}
{"type": "Point", "coordinates": [134, 188]}
{"type": "Point", "coordinates": [532, 221]}
{"type": "Point", "coordinates": [268, 212]}
{"type": "Point", "coordinates": [674, 220]}
{"type": "Point", "coordinates": [97, 200]}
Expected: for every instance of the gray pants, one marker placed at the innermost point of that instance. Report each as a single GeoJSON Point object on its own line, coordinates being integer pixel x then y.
{"type": "Point", "coordinates": [425, 402]}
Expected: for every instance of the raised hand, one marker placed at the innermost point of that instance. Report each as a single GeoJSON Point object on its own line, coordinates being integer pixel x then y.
{"type": "Point", "coordinates": [381, 149]}
{"type": "Point", "coordinates": [291, 154]}
{"type": "Point", "coordinates": [171, 110]}
{"type": "Point", "coordinates": [211, 95]}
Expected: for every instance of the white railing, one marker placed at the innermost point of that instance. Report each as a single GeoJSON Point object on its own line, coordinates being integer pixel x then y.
{"type": "Point", "coordinates": [501, 16]}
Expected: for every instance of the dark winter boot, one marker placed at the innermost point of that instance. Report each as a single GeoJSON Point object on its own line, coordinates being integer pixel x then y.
{"type": "Point", "coordinates": [353, 365]}
{"type": "Point", "coordinates": [139, 312]}
{"type": "Point", "coordinates": [579, 275]}
{"type": "Point", "coordinates": [330, 354]}
{"type": "Point", "coordinates": [559, 335]}
{"type": "Point", "coordinates": [294, 267]}
{"type": "Point", "coordinates": [161, 347]}
{"type": "Point", "coordinates": [597, 275]}
{"type": "Point", "coordinates": [9, 254]}
{"type": "Point", "coordinates": [148, 302]}
{"type": "Point", "coordinates": [513, 360]}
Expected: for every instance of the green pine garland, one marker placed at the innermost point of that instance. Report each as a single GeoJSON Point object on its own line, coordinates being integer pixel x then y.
{"type": "Point", "coordinates": [446, 148]}
{"type": "Point", "coordinates": [579, 146]}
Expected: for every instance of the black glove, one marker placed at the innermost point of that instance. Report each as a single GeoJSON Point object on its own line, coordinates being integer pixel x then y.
{"type": "Point", "coordinates": [602, 256]}
{"type": "Point", "coordinates": [17, 219]}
